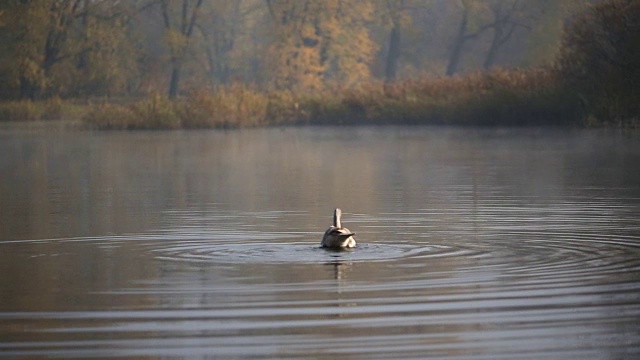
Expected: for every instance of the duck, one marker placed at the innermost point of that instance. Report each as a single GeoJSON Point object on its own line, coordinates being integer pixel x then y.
{"type": "Point", "coordinates": [336, 236]}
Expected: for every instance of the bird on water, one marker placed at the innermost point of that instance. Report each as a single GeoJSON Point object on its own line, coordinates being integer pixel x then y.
{"type": "Point", "coordinates": [337, 236]}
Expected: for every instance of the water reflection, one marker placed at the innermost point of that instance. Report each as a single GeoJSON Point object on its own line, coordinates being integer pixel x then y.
{"type": "Point", "coordinates": [471, 243]}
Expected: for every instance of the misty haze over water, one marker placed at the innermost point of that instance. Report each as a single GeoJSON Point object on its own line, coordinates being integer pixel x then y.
{"type": "Point", "coordinates": [472, 243]}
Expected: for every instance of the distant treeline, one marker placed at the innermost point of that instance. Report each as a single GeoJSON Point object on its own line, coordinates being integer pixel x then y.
{"type": "Point", "coordinates": [592, 81]}
{"type": "Point", "coordinates": [133, 48]}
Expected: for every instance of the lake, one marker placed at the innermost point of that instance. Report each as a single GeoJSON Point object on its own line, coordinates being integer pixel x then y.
{"type": "Point", "coordinates": [472, 243]}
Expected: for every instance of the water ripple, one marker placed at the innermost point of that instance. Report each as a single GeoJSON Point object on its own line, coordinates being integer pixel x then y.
{"type": "Point", "coordinates": [497, 281]}
{"type": "Point", "coordinates": [293, 252]}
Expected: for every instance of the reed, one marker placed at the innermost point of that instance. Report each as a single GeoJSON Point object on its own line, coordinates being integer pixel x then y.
{"type": "Point", "coordinates": [227, 107]}
{"type": "Point", "coordinates": [29, 110]}
{"type": "Point", "coordinates": [156, 112]}
{"type": "Point", "coordinates": [109, 117]}
{"type": "Point", "coordinates": [500, 97]}
{"type": "Point", "coordinates": [22, 110]}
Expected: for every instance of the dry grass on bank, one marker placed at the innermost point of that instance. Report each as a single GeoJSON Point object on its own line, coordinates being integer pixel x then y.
{"type": "Point", "coordinates": [497, 98]}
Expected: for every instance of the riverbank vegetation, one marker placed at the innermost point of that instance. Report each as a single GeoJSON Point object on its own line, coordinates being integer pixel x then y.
{"type": "Point", "coordinates": [327, 62]}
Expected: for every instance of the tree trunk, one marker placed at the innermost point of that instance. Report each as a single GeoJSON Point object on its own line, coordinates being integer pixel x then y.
{"type": "Point", "coordinates": [490, 59]}
{"type": "Point", "coordinates": [28, 90]}
{"type": "Point", "coordinates": [391, 67]}
{"type": "Point", "coordinates": [460, 39]}
{"type": "Point", "coordinates": [503, 26]}
{"type": "Point", "coordinates": [84, 24]}
{"type": "Point", "coordinates": [187, 24]}
{"type": "Point", "coordinates": [175, 80]}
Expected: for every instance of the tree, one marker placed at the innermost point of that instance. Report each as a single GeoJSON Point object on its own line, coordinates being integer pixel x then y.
{"type": "Point", "coordinates": [547, 27]}
{"type": "Point", "coordinates": [505, 22]}
{"type": "Point", "coordinates": [232, 38]}
{"type": "Point", "coordinates": [106, 53]}
{"type": "Point", "coordinates": [600, 57]}
{"type": "Point", "coordinates": [178, 34]}
{"type": "Point", "coordinates": [41, 32]}
{"type": "Point", "coordinates": [463, 34]}
{"type": "Point", "coordinates": [219, 30]}
{"type": "Point", "coordinates": [320, 42]}
{"type": "Point", "coordinates": [396, 14]}
{"type": "Point", "coordinates": [502, 18]}
{"type": "Point", "coordinates": [65, 47]}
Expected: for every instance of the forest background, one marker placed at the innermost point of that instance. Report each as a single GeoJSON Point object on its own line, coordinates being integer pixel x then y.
{"type": "Point", "coordinates": [228, 63]}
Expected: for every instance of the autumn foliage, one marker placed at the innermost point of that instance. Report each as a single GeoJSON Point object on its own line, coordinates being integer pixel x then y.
{"type": "Point", "coordinates": [316, 62]}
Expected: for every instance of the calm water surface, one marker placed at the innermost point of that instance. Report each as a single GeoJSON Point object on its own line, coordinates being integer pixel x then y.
{"type": "Point", "coordinates": [473, 244]}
